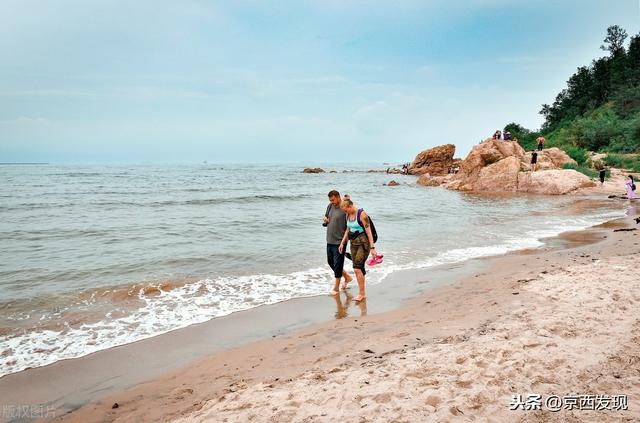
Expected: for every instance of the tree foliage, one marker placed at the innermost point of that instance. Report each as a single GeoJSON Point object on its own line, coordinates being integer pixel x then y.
{"type": "Point", "coordinates": [614, 42]}
{"type": "Point", "coordinates": [599, 110]}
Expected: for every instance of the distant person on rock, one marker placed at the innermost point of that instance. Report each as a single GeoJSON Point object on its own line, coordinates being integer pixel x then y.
{"type": "Point", "coordinates": [335, 221]}
{"type": "Point", "coordinates": [540, 141]}
{"type": "Point", "coordinates": [602, 174]}
{"type": "Point", "coordinates": [534, 161]}
{"type": "Point", "coordinates": [631, 188]}
{"type": "Point", "coordinates": [507, 136]}
{"type": "Point", "coordinates": [497, 135]}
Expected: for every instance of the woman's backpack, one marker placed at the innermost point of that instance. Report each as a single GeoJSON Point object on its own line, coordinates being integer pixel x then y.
{"type": "Point", "coordinates": [374, 233]}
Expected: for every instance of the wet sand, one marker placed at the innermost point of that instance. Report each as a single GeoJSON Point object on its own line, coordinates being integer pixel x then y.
{"type": "Point", "coordinates": [469, 337]}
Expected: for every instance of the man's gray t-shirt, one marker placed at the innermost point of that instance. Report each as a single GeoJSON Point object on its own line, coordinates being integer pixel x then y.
{"type": "Point", "coordinates": [337, 225]}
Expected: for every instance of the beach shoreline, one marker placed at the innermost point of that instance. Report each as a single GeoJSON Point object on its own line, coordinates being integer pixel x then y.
{"type": "Point", "coordinates": [182, 387]}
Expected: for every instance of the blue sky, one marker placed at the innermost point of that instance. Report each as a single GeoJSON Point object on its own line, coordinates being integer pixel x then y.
{"type": "Point", "coordinates": [297, 81]}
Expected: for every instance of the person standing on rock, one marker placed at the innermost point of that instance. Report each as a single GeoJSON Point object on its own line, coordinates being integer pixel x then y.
{"type": "Point", "coordinates": [359, 233]}
{"type": "Point", "coordinates": [602, 174]}
{"type": "Point", "coordinates": [335, 220]}
{"type": "Point", "coordinates": [631, 188]}
{"type": "Point", "coordinates": [540, 140]}
{"type": "Point", "coordinates": [534, 160]}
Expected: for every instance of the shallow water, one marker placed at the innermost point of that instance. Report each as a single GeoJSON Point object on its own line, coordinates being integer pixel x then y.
{"type": "Point", "coordinates": [97, 256]}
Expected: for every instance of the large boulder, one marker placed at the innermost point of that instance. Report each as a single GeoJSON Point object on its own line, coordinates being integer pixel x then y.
{"type": "Point", "coordinates": [435, 161]}
{"type": "Point", "coordinates": [486, 153]}
{"type": "Point", "coordinates": [597, 160]}
{"type": "Point", "coordinates": [500, 176]}
{"type": "Point", "coordinates": [549, 158]}
{"type": "Point", "coordinates": [556, 181]}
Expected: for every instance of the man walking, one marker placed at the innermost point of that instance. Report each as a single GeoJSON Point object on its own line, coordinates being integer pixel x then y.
{"type": "Point", "coordinates": [336, 222]}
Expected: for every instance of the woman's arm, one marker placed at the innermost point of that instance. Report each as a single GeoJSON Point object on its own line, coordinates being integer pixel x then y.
{"type": "Point", "coordinates": [367, 228]}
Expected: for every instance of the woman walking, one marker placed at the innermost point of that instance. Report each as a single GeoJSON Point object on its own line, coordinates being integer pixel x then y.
{"type": "Point", "coordinates": [631, 188]}
{"type": "Point", "coordinates": [359, 233]}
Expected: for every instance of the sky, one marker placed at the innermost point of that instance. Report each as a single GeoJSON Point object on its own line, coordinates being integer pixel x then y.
{"type": "Point", "coordinates": [156, 81]}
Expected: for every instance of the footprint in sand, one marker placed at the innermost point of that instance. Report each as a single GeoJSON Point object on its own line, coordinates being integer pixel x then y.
{"type": "Point", "coordinates": [433, 400]}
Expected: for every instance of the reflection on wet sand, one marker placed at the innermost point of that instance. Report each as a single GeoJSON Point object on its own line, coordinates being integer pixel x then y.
{"type": "Point", "coordinates": [342, 308]}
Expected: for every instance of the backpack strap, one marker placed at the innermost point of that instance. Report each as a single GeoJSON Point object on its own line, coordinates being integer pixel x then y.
{"type": "Point", "coordinates": [326, 214]}
{"type": "Point", "coordinates": [358, 218]}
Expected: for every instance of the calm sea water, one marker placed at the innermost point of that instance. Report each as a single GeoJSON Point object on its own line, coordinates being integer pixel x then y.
{"type": "Point", "coordinates": [97, 256]}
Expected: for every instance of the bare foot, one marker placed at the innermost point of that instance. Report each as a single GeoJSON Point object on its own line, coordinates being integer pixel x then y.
{"type": "Point", "coordinates": [347, 279]}
{"type": "Point", "coordinates": [333, 293]}
{"type": "Point", "coordinates": [359, 298]}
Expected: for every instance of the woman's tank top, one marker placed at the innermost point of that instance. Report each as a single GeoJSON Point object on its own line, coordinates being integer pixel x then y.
{"type": "Point", "coordinates": [353, 225]}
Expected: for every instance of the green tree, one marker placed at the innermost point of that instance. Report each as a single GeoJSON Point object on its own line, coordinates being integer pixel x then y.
{"type": "Point", "coordinates": [599, 109]}
{"type": "Point", "coordinates": [614, 41]}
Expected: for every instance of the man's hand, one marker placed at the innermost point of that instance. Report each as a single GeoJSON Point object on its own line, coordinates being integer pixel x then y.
{"type": "Point", "coordinates": [341, 248]}
{"type": "Point", "coordinates": [325, 220]}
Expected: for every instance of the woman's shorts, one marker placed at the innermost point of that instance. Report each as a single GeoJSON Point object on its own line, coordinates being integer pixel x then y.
{"type": "Point", "coordinates": [360, 249]}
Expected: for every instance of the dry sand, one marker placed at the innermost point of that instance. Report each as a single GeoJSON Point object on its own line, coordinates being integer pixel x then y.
{"type": "Point", "coordinates": [559, 320]}
{"type": "Point", "coordinates": [574, 330]}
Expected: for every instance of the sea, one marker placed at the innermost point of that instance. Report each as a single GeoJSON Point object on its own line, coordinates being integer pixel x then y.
{"type": "Point", "coordinates": [95, 256]}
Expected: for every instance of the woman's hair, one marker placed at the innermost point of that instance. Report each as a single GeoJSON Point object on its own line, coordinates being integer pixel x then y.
{"type": "Point", "coordinates": [631, 177]}
{"type": "Point", "coordinates": [346, 203]}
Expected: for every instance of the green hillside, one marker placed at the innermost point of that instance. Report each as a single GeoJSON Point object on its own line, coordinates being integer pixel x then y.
{"type": "Point", "coordinates": [599, 110]}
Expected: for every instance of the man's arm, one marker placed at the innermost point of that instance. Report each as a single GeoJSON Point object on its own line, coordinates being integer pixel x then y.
{"type": "Point", "coordinates": [343, 242]}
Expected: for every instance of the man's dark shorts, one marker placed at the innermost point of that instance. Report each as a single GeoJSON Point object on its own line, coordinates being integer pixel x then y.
{"type": "Point", "coordinates": [335, 259]}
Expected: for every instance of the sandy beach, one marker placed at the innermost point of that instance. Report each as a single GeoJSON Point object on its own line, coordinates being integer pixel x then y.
{"type": "Point", "coordinates": [187, 190]}
{"type": "Point", "coordinates": [558, 320]}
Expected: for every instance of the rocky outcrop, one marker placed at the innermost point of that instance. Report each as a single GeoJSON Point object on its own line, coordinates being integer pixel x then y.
{"type": "Point", "coordinates": [313, 170]}
{"type": "Point", "coordinates": [597, 160]}
{"type": "Point", "coordinates": [503, 174]}
{"type": "Point", "coordinates": [480, 171]}
{"type": "Point", "coordinates": [433, 181]}
{"type": "Point", "coordinates": [504, 166]}
{"type": "Point", "coordinates": [395, 171]}
{"type": "Point", "coordinates": [392, 184]}
{"type": "Point", "coordinates": [549, 158]}
{"type": "Point", "coordinates": [435, 161]}
{"type": "Point", "coordinates": [554, 182]}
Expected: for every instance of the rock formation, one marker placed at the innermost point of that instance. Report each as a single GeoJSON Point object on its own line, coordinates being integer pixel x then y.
{"type": "Point", "coordinates": [392, 184]}
{"type": "Point", "coordinates": [313, 170]}
{"type": "Point", "coordinates": [503, 166]}
{"type": "Point", "coordinates": [482, 169]}
{"type": "Point", "coordinates": [433, 181]}
{"type": "Point", "coordinates": [436, 161]}
{"type": "Point", "coordinates": [597, 160]}
{"type": "Point", "coordinates": [556, 182]}
{"type": "Point", "coordinates": [550, 158]}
